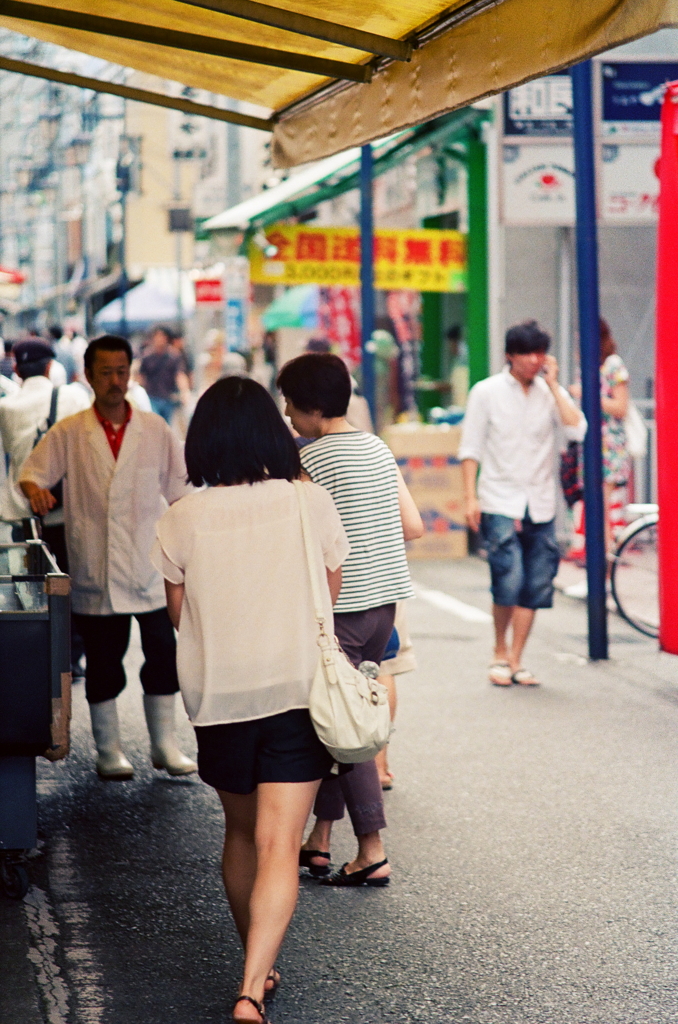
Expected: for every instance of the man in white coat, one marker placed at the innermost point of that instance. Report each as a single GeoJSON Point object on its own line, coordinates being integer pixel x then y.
{"type": "Point", "coordinates": [120, 467]}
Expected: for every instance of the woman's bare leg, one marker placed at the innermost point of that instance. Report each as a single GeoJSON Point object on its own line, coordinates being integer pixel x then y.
{"type": "Point", "coordinates": [239, 860]}
{"type": "Point", "coordinates": [282, 809]}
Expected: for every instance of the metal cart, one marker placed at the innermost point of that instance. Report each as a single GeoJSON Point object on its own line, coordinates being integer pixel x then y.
{"type": "Point", "coordinates": [35, 691]}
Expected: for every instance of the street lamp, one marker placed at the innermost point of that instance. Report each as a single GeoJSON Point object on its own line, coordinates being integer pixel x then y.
{"type": "Point", "coordinates": [123, 172]}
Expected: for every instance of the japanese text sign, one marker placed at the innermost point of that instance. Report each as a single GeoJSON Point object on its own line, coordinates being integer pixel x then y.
{"type": "Point", "coordinates": [424, 260]}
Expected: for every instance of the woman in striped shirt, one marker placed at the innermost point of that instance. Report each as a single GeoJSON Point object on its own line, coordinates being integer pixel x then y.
{"type": "Point", "coordinates": [378, 515]}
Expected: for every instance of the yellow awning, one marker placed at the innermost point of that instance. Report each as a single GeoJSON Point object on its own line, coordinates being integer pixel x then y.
{"type": "Point", "coordinates": [314, 75]}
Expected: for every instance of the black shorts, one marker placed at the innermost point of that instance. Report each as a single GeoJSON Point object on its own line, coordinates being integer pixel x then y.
{"type": "Point", "coordinates": [281, 748]}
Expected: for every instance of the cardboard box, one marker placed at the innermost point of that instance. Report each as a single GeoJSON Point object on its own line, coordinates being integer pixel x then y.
{"type": "Point", "coordinates": [427, 457]}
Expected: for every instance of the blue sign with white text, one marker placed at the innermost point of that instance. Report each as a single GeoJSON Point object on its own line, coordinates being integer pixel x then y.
{"type": "Point", "coordinates": [634, 90]}
{"type": "Point", "coordinates": [236, 324]}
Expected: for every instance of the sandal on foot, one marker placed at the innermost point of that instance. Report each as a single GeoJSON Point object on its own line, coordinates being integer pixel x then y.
{"type": "Point", "coordinates": [500, 673]}
{"type": "Point", "coordinates": [275, 979]}
{"type": "Point", "coordinates": [317, 870]}
{"type": "Point", "coordinates": [342, 878]}
{"type": "Point", "coordinates": [259, 1007]}
{"type": "Point", "coordinates": [524, 678]}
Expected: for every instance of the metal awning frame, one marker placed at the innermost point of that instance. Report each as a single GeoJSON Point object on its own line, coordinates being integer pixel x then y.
{"type": "Point", "coordinates": [22, 67]}
{"type": "Point", "coordinates": [315, 28]}
{"type": "Point", "coordinates": [385, 50]}
{"type": "Point", "coordinates": [448, 127]}
{"type": "Point", "coordinates": [319, 107]}
{"type": "Point", "coordinates": [216, 46]}
{"type": "Point", "coordinates": [441, 25]}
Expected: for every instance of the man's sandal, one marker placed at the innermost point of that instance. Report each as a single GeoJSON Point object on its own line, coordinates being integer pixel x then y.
{"type": "Point", "coordinates": [259, 1007]}
{"type": "Point", "coordinates": [500, 673]}
{"type": "Point", "coordinates": [525, 678]}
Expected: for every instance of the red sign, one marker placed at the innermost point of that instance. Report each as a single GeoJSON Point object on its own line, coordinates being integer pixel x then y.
{"type": "Point", "coordinates": [209, 290]}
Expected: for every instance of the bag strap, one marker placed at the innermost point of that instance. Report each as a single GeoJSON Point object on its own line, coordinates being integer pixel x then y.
{"type": "Point", "coordinates": [311, 560]}
{"type": "Point", "coordinates": [51, 419]}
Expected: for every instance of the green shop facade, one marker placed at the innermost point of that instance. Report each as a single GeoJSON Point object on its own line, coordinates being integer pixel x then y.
{"type": "Point", "coordinates": [453, 141]}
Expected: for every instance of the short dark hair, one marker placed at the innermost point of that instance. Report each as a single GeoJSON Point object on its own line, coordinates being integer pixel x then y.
{"type": "Point", "coordinates": [107, 343]}
{"type": "Point", "coordinates": [317, 382]}
{"type": "Point", "coordinates": [527, 337]}
{"type": "Point", "coordinates": [238, 436]}
{"type": "Point", "coordinates": [164, 329]}
{"type": "Point", "coordinates": [35, 368]}
{"type": "Point", "coordinates": [55, 331]}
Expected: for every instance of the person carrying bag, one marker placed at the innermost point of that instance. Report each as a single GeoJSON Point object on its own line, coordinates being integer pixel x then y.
{"type": "Point", "coordinates": [349, 710]}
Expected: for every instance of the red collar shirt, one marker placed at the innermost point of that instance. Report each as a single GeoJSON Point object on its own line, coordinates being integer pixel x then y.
{"type": "Point", "coordinates": [115, 437]}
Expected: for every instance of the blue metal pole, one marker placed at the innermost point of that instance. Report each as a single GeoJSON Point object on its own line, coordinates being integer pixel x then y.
{"type": "Point", "coordinates": [367, 278]}
{"type": "Point", "coordinates": [589, 341]}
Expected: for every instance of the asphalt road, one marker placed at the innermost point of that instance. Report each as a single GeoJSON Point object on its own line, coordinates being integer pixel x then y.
{"type": "Point", "coordinates": [532, 835]}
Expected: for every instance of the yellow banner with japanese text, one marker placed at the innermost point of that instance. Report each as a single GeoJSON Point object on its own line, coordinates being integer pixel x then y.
{"type": "Point", "coordinates": [425, 260]}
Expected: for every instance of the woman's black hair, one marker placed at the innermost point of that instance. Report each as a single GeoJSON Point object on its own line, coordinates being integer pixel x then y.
{"type": "Point", "coordinates": [525, 338]}
{"type": "Point", "coordinates": [317, 382]}
{"type": "Point", "coordinates": [238, 436]}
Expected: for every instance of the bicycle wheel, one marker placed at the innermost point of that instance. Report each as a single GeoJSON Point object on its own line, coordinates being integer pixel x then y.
{"type": "Point", "coordinates": [635, 576]}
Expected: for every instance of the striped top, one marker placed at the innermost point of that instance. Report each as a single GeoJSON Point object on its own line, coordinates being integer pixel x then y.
{"type": "Point", "coordinates": [360, 473]}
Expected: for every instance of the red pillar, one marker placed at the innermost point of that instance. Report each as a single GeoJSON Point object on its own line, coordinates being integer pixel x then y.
{"type": "Point", "coordinates": [666, 376]}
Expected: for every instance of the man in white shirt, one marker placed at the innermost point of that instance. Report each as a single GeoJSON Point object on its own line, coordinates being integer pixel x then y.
{"type": "Point", "coordinates": [120, 468]}
{"type": "Point", "coordinates": [24, 417]}
{"type": "Point", "coordinates": [7, 387]}
{"type": "Point", "coordinates": [512, 422]}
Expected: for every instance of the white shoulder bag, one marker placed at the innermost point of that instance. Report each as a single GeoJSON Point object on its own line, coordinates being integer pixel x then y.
{"type": "Point", "coordinates": [349, 711]}
{"type": "Point", "coordinates": [636, 432]}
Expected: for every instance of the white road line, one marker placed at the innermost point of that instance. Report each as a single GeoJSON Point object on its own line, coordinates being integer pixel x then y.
{"type": "Point", "coordinates": [467, 612]}
{"type": "Point", "coordinates": [44, 932]}
{"type": "Point", "coordinates": [84, 973]}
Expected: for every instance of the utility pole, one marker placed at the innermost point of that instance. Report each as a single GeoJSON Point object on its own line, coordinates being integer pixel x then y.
{"type": "Point", "coordinates": [124, 181]}
{"type": "Point", "coordinates": [367, 278]}
{"type": "Point", "coordinates": [178, 240]}
{"type": "Point", "coordinates": [589, 340]}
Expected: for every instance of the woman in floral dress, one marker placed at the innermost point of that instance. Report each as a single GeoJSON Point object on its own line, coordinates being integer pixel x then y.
{"type": "Point", "coordinates": [614, 401]}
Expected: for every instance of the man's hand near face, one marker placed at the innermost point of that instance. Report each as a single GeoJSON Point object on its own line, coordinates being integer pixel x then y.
{"type": "Point", "coordinates": [550, 371]}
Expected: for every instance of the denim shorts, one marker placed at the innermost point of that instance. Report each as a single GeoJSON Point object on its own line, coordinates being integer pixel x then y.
{"type": "Point", "coordinates": [523, 563]}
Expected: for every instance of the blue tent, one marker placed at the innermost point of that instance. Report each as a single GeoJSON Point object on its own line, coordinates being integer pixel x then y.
{"type": "Point", "coordinates": [144, 306]}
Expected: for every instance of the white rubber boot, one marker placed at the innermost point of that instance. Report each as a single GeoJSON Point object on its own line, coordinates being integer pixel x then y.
{"type": "Point", "coordinates": [111, 762]}
{"type": "Point", "coordinates": [165, 753]}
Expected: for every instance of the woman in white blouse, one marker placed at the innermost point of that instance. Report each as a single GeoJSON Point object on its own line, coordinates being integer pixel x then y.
{"type": "Point", "coordinates": [238, 591]}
